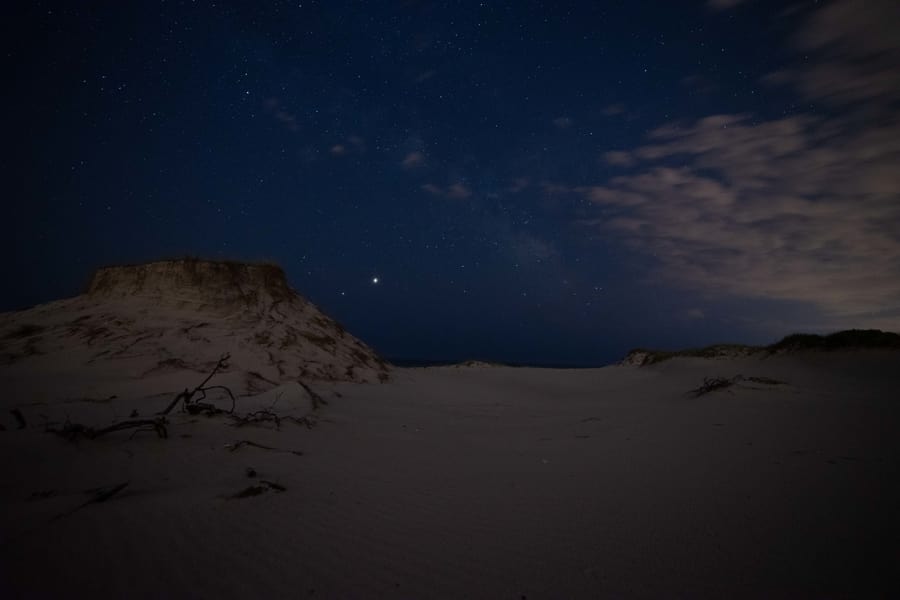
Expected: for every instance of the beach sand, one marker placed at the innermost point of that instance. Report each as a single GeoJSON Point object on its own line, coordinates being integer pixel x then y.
{"type": "Point", "coordinates": [473, 482]}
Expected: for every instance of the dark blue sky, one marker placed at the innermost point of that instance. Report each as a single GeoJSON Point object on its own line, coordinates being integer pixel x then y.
{"type": "Point", "coordinates": [547, 182]}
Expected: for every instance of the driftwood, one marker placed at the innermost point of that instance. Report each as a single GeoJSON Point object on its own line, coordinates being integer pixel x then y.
{"type": "Point", "coordinates": [256, 490]}
{"type": "Point", "coordinates": [316, 398]}
{"type": "Point", "coordinates": [20, 418]}
{"type": "Point", "coordinates": [239, 443]}
{"type": "Point", "coordinates": [198, 406]}
{"type": "Point", "coordinates": [101, 495]}
{"type": "Point", "coordinates": [267, 416]}
{"type": "Point", "coordinates": [191, 405]}
{"type": "Point", "coordinates": [711, 384]}
{"type": "Point", "coordinates": [71, 431]}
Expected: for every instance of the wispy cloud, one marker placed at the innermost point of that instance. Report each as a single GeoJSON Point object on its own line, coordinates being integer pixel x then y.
{"type": "Point", "coordinates": [619, 158]}
{"type": "Point", "coordinates": [694, 313]}
{"type": "Point", "coordinates": [723, 4]}
{"type": "Point", "coordinates": [358, 143]}
{"type": "Point", "coordinates": [425, 76]}
{"type": "Point", "coordinates": [287, 119]}
{"type": "Point", "coordinates": [353, 144]}
{"type": "Point", "coordinates": [612, 110]}
{"type": "Point", "coordinates": [563, 122]}
{"type": "Point", "coordinates": [525, 248]}
{"type": "Point", "coordinates": [455, 191]}
{"type": "Point", "coordinates": [858, 54]}
{"type": "Point", "coordinates": [412, 160]}
{"type": "Point", "coordinates": [518, 184]}
{"type": "Point", "coordinates": [803, 208]}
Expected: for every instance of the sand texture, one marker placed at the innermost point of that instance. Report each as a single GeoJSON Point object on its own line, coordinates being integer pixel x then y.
{"type": "Point", "coordinates": [474, 482]}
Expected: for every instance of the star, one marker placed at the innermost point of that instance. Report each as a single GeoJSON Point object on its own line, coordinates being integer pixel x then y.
{"type": "Point", "coordinates": [374, 281]}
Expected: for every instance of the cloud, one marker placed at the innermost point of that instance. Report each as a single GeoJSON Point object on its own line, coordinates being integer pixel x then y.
{"type": "Point", "coordinates": [357, 142]}
{"type": "Point", "coordinates": [613, 110]}
{"type": "Point", "coordinates": [619, 158]}
{"type": "Point", "coordinates": [525, 248]}
{"type": "Point", "coordinates": [455, 191]}
{"type": "Point", "coordinates": [518, 184]}
{"type": "Point", "coordinates": [425, 76]}
{"type": "Point", "coordinates": [723, 4]}
{"type": "Point", "coordinates": [792, 209]}
{"type": "Point", "coordinates": [412, 160]}
{"type": "Point", "coordinates": [804, 208]}
{"type": "Point", "coordinates": [698, 84]}
{"type": "Point", "coordinates": [353, 144]}
{"type": "Point", "coordinates": [858, 54]}
{"type": "Point", "coordinates": [274, 108]}
{"type": "Point", "coordinates": [563, 122]}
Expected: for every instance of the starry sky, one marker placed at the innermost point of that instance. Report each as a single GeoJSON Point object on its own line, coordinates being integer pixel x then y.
{"type": "Point", "coordinates": [533, 182]}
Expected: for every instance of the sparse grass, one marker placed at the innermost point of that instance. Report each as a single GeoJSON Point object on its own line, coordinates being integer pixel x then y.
{"type": "Point", "coordinates": [851, 338]}
{"type": "Point", "coordinates": [711, 384]}
{"type": "Point", "coordinates": [766, 381]}
{"type": "Point", "coordinates": [319, 340]}
{"type": "Point", "coordinates": [717, 350]}
{"type": "Point", "coordinates": [23, 331]}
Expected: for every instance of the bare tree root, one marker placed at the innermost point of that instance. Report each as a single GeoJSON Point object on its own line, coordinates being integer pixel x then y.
{"type": "Point", "coordinates": [195, 407]}
{"type": "Point", "coordinates": [71, 431]}
{"type": "Point", "coordinates": [711, 384]}
{"type": "Point", "coordinates": [193, 402]}
{"type": "Point", "coordinates": [240, 443]}
{"type": "Point", "coordinates": [101, 495]}
{"type": "Point", "coordinates": [256, 490]}
{"type": "Point", "coordinates": [316, 398]}
{"type": "Point", "coordinates": [267, 416]}
{"type": "Point", "coordinates": [20, 418]}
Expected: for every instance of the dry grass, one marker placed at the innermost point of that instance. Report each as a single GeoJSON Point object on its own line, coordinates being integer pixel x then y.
{"type": "Point", "coordinates": [851, 338]}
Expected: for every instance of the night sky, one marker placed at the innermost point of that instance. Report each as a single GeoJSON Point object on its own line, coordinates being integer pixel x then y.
{"type": "Point", "coordinates": [540, 182]}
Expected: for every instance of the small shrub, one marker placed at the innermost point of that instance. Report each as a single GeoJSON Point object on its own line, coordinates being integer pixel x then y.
{"type": "Point", "coordinates": [24, 330]}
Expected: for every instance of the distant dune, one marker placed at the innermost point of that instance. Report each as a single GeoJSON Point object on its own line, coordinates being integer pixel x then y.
{"type": "Point", "coordinates": [841, 340]}
{"type": "Point", "coordinates": [180, 316]}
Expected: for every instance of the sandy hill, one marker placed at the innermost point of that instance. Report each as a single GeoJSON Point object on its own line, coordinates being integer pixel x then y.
{"type": "Point", "coordinates": [178, 317]}
{"type": "Point", "coordinates": [850, 339]}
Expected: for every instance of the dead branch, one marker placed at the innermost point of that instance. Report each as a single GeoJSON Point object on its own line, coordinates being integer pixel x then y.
{"type": "Point", "coordinates": [256, 490]}
{"type": "Point", "coordinates": [71, 431]}
{"type": "Point", "coordinates": [239, 443]}
{"type": "Point", "coordinates": [20, 418]}
{"type": "Point", "coordinates": [766, 381]}
{"type": "Point", "coordinates": [275, 486]}
{"type": "Point", "coordinates": [316, 398]}
{"type": "Point", "coordinates": [101, 495]}
{"type": "Point", "coordinates": [158, 425]}
{"type": "Point", "coordinates": [187, 396]}
{"type": "Point", "coordinates": [307, 421]}
{"type": "Point", "coordinates": [221, 387]}
{"type": "Point", "coordinates": [258, 416]}
{"type": "Point", "coordinates": [267, 416]}
{"type": "Point", "coordinates": [711, 384]}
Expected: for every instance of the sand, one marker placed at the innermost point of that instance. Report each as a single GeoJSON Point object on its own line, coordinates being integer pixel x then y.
{"type": "Point", "coordinates": [476, 482]}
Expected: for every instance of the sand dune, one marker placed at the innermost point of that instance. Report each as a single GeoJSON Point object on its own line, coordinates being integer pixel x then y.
{"type": "Point", "coordinates": [481, 483]}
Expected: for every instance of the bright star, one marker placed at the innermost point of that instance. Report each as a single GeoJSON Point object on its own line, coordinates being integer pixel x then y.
{"type": "Point", "coordinates": [374, 280]}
